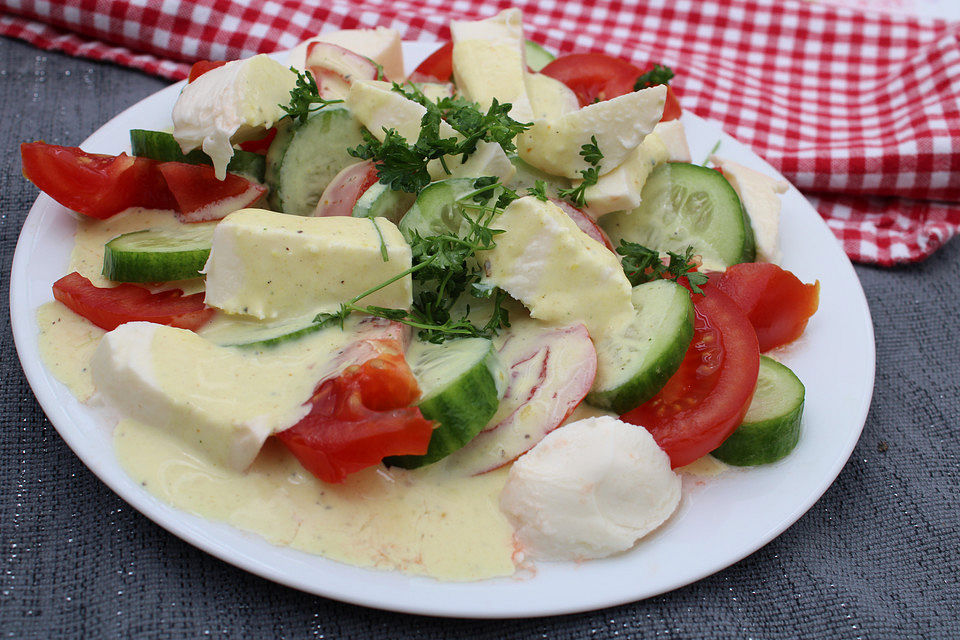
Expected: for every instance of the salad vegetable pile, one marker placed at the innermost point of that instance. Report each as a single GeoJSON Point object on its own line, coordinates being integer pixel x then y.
{"type": "Point", "coordinates": [480, 247]}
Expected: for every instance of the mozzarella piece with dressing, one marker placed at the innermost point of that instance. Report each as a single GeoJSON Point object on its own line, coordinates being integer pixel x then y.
{"type": "Point", "coordinates": [382, 45]}
{"type": "Point", "coordinates": [549, 98]}
{"type": "Point", "coordinates": [488, 62]}
{"type": "Point", "coordinates": [378, 107]}
{"type": "Point", "coordinates": [619, 124]}
{"type": "Point", "coordinates": [230, 104]}
{"type": "Point", "coordinates": [589, 489]}
{"type": "Point", "coordinates": [272, 265]}
{"type": "Point", "coordinates": [620, 189]}
{"type": "Point", "coordinates": [674, 137]}
{"type": "Point", "coordinates": [219, 401]}
{"type": "Point", "coordinates": [558, 272]}
{"type": "Point", "coordinates": [759, 194]}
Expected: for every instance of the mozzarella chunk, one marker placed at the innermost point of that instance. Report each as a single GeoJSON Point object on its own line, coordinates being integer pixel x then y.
{"type": "Point", "coordinates": [674, 137]}
{"type": "Point", "coordinates": [382, 45]}
{"type": "Point", "coordinates": [619, 124]}
{"type": "Point", "coordinates": [489, 159]}
{"type": "Point", "coordinates": [273, 265]}
{"type": "Point", "coordinates": [378, 107]}
{"type": "Point", "coordinates": [217, 400]}
{"type": "Point", "coordinates": [759, 195]}
{"type": "Point", "coordinates": [589, 489]}
{"type": "Point", "coordinates": [549, 98]}
{"type": "Point", "coordinates": [558, 272]}
{"type": "Point", "coordinates": [488, 62]}
{"type": "Point", "coordinates": [229, 104]}
{"type": "Point", "coordinates": [620, 189]}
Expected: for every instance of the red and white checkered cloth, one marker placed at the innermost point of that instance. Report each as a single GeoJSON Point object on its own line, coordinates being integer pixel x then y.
{"type": "Point", "coordinates": [860, 111]}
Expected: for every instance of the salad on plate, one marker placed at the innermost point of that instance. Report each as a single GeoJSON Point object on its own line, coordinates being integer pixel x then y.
{"type": "Point", "coordinates": [446, 324]}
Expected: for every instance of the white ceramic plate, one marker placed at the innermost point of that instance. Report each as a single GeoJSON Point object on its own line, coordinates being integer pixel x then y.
{"type": "Point", "coordinates": [720, 520]}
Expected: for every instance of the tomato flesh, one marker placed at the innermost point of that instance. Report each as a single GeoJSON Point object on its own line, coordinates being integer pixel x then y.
{"type": "Point", "coordinates": [593, 76]}
{"type": "Point", "coordinates": [201, 67]}
{"type": "Point", "coordinates": [260, 145]}
{"type": "Point", "coordinates": [706, 399]}
{"type": "Point", "coordinates": [201, 197]}
{"type": "Point", "coordinates": [110, 307]}
{"type": "Point", "coordinates": [360, 417]}
{"type": "Point", "coordinates": [438, 66]}
{"type": "Point", "coordinates": [93, 184]}
{"type": "Point", "coordinates": [775, 301]}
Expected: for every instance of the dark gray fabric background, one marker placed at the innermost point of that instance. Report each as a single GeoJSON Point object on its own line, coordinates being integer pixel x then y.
{"type": "Point", "coordinates": [877, 557]}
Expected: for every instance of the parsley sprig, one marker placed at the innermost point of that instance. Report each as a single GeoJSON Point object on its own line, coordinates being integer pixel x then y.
{"type": "Point", "coordinates": [641, 264]}
{"type": "Point", "coordinates": [445, 273]}
{"type": "Point", "coordinates": [659, 74]}
{"type": "Point", "coordinates": [305, 97]}
{"type": "Point", "coordinates": [404, 166]}
{"type": "Point", "coordinates": [592, 154]}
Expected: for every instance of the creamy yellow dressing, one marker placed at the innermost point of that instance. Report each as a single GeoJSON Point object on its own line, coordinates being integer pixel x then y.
{"type": "Point", "coordinates": [67, 343]}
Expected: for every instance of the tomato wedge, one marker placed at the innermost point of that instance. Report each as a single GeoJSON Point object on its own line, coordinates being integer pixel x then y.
{"type": "Point", "coordinates": [260, 145]}
{"type": "Point", "coordinates": [201, 197]}
{"type": "Point", "coordinates": [597, 76]}
{"type": "Point", "coordinates": [777, 303]}
{"type": "Point", "coordinates": [201, 67]}
{"type": "Point", "coordinates": [705, 401]}
{"type": "Point", "coordinates": [360, 417]}
{"type": "Point", "coordinates": [94, 184]}
{"type": "Point", "coordinates": [108, 308]}
{"type": "Point", "coordinates": [438, 67]}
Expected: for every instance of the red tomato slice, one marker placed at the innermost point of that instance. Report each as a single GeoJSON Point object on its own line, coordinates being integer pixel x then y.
{"type": "Point", "coordinates": [777, 303]}
{"type": "Point", "coordinates": [438, 67]}
{"type": "Point", "coordinates": [108, 308]}
{"type": "Point", "coordinates": [201, 67]}
{"type": "Point", "coordinates": [585, 222]}
{"type": "Point", "coordinates": [706, 399]}
{"type": "Point", "coordinates": [593, 76]}
{"type": "Point", "coordinates": [671, 108]}
{"type": "Point", "coordinates": [346, 188]}
{"type": "Point", "coordinates": [93, 184]}
{"type": "Point", "coordinates": [360, 417]}
{"type": "Point", "coordinates": [201, 197]}
{"type": "Point", "coordinates": [260, 145]}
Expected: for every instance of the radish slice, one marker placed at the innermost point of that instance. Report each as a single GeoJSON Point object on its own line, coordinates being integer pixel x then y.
{"type": "Point", "coordinates": [345, 189]}
{"type": "Point", "coordinates": [335, 68]}
{"type": "Point", "coordinates": [585, 222]}
{"type": "Point", "coordinates": [549, 371]}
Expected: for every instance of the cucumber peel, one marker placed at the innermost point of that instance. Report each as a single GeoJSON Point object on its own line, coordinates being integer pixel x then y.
{"type": "Point", "coordinates": [158, 255]}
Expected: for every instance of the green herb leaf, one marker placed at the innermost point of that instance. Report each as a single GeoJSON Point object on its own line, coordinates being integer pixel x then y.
{"type": "Point", "coordinates": [592, 154]}
{"type": "Point", "coordinates": [657, 75]}
{"type": "Point", "coordinates": [305, 97]}
{"type": "Point", "coordinates": [641, 264]}
{"type": "Point", "coordinates": [538, 190]}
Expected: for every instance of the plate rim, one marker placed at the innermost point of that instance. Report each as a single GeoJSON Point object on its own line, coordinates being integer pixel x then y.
{"type": "Point", "coordinates": [40, 380]}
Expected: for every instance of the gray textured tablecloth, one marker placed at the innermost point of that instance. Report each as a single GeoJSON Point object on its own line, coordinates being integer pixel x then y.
{"type": "Point", "coordinates": [877, 557]}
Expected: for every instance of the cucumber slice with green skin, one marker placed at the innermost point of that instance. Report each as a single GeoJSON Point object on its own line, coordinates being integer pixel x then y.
{"type": "Point", "coordinates": [635, 364]}
{"type": "Point", "coordinates": [380, 201]}
{"type": "Point", "coordinates": [305, 157]}
{"type": "Point", "coordinates": [462, 383]}
{"type": "Point", "coordinates": [159, 255]}
{"type": "Point", "coordinates": [163, 147]}
{"type": "Point", "coordinates": [685, 205]}
{"type": "Point", "coordinates": [435, 210]}
{"type": "Point", "coordinates": [771, 428]}
{"type": "Point", "coordinates": [537, 57]}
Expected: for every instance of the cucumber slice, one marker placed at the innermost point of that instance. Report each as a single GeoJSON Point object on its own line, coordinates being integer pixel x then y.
{"type": "Point", "coordinates": [380, 201]}
{"type": "Point", "coordinates": [159, 255]}
{"type": "Point", "coordinates": [304, 158]}
{"type": "Point", "coordinates": [633, 366]}
{"type": "Point", "coordinates": [435, 211]}
{"type": "Point", "coordinates": [537, 57]}
{"type": "Point", "coordinates": [687, 205]}
{"type": "Point", "coordinates": [771, 428]}
{"type": "Point", "coordinates": [162, 146]}
{"type": "Point", "coordinates": [527, 175]}
{"type": "Point", "coordinates": [462, 383]}
{"type": "Point", "coordinates": [232, 331]}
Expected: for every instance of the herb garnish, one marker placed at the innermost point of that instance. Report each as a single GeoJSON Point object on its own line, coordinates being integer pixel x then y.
{"type": "Point", "coordinates": [659, 74]}
{"type": "Point", "coordinates": [641, 264]}
{"type": "Point", "coordinates": [538, 190]}
{"type": "Point", "coordinates": [592, 154]}
{"type": "Point", "coordinates": [443, 271]}
{"type": "Point", "coordinates": [403, 166]}
{"type": "Point", "coordinates": [305, 97]}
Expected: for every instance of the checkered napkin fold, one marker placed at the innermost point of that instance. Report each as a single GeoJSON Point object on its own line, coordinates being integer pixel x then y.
{"type": "Point", "coordinates": [859, 111]}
